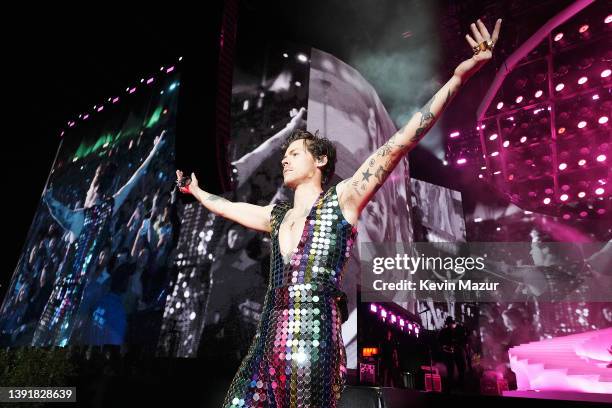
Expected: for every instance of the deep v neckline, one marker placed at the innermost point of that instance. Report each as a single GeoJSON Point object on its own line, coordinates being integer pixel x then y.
{"type": "Point", "coordinates": [295, 250]}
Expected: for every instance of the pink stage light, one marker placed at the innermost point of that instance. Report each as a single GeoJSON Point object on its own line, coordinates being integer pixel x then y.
{"type": "Point", "coordinates": [506, 143]}
{"type": "Point", "coordinates": [595, 97]}
{"type": "Point", "coordinates": [583, 29]}
{"type": "Point", "coordinates": [581, 124]}
{"type": "Point", "coordinates": [493, 136]}
{"type": "Point", "coordinates": [581, 162]}
{"type": "Point", "coordinates": [558, 37]}
{"type": "Point", "coordinates": [603, 120]}
{"type": "Point", "coordinates": [583, 80]}
{"type": "Point", "coordinates": [461, 161]}
{"type": "Point", "coordinates": [605, 73]}
{"type": "Point", "coordinates": [566, 216]}
{"type": "Point", "coordinates": [581, 194]}
{"type": "Point", "coordinates": [559, 87]}
{"type": "Point", "coordinates": [608, 19]}
{"type": "Point", "coordinates": [601, 211]}
{"type": "Point", "coordinates": [574, 363]}
{"type": "Point", "coordinates": [563, 166]}
{"type": "Point", "coordinates": [131, 91]}
{"type": "Point", "coordinates": [500, 105]}
{"type": "Point", "coordinates": [538, 94]}
{"type": "Point", "coordinates": [149, 81]}
{"type": "Point", "coordinates": [601, 158]}
{"type": "Point", "coordinates": [546, 200]}
{"type": "Point", "coordinates": [523, 139]}
{"type": "Point", "coordinates": [599, 191]}
{"type": "Point", "coordinates": [116, 100]}
{"type": "Point", "coordinates": [519, 99]}
{"type": "Point", "coordinates": [583, 214]}
{"type": "Point", "coordinates": [455, 134]}
{"type": "Point", "coordinates": [373, 308]}
{"type": "Point", "coordinates": [564, 197]}
{"type": "Point", "coordinates": [169, 70]}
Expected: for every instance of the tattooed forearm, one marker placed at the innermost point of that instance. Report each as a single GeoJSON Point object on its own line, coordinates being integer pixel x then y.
{"type": "Point", "coordinates": [427, 117]}
{"type": "Point", "coordinates": [366, 175]}
{"type": "Point", "coordinates": [388, 148]}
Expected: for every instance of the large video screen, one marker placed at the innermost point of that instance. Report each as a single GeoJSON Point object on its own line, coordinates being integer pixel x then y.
{"type": "Point", "coordinates": [95, 265]}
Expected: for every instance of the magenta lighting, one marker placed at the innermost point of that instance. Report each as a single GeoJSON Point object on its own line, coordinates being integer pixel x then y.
{"type": "Point", "coordinates": [373, 308]}
{"type": "Point", "coordinates": [170, 69]}
{"type": "Point", "coordinates": [461, 161]}
{"type": "Point", "coordinates": [558, 37]}
{"type": "Point", "coordinates": [583, 80]}
{"type": "Point", "coordinates": [115, 100]}
{"type": "Point", "coordinates": [603, 120]}
{"type": "Point", "coordinates": [149, 81]}
{"type": "Point", "coordinates": [599, 191]}
{"type": "Point", "coordinates": [100, 109]}
{"type": "Point", "coordinates": [574, 363]}
{"type": "Point", "coordinates": [559, 87]}
{"type": "Point", "coordinates": [538, 93]}
{"type": "Point", "coordinates": [500, 105]}
{"type": "Point", "coordinates": [601, 158]}
{"type": "Point", "coordinates": [455, 134]}
{"type": "Point", "coordinates": [132, 90]}
{"type": "Point", "coordinates": [493, 136]}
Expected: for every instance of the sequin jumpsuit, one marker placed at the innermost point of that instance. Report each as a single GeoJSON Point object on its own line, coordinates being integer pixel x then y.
{"type": "Point", "coordinates": [56, 323]}
{"type": "Point", "coordinates": [297, 358]}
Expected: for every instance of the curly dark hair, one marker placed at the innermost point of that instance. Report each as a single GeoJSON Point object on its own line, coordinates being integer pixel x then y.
{"type": "Point", "coordinates": [106, 173]}
{"type": "Point", "coordinates": [317, 146]}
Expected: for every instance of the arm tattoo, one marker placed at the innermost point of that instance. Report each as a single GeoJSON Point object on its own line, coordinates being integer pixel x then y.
{"type": "Point", "coordinates": [427, 117]}
{"type": "Point", "coordinates": [381, 174]}
{"type": "Point", "coordinates": [355, 184]}
{"type": "Point", "coordinates": [366, 175]}
{"type": "Point", "coordinates": [387, 148]}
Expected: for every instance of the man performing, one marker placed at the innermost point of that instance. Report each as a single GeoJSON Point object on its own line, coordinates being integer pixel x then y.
{"type": "Point", "coordinates": [90, 226]}
{"type": "Point", "coordinates": [297, 356]}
